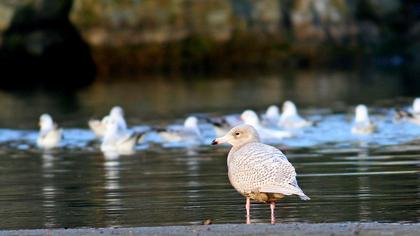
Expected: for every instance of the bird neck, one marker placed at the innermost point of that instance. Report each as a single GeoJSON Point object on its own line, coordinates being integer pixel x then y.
{"type": "Point", "coordinates": [239, 146]}
{"type": "Point", "coordinates": [362, 117]}
{"type": "Point", "coordinates": [47, 127]}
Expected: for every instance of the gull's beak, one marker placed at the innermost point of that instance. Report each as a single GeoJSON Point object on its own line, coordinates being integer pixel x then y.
{"type": "Point", "coordinates": [219, 141]}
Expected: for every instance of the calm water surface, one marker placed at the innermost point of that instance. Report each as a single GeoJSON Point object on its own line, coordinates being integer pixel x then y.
{"type": "Point", "coordinates": [349, 178]}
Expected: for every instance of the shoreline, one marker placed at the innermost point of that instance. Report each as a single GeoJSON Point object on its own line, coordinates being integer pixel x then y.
{"type": "Point", "coordinates": [350, 228]}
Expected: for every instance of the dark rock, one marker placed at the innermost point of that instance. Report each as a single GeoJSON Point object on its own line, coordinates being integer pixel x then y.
{"type": "Point", "coordinates": [42, 48]}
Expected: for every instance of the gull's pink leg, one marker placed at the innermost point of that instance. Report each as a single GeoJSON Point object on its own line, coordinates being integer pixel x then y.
{"type": "Point", "coordinates": [248, 207]}
{"type": "Point", "coordinates": [273, 217]}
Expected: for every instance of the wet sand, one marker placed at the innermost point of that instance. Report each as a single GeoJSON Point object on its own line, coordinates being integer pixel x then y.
{"type": "Point", "coordinates": [238, 229]}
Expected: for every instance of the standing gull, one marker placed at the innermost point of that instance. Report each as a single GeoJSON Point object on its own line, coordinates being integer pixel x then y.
{"type": "Point", "coordinates": [362, 123]}
{"type": "Point", "coordinates": [49, 134]}
{"type": "Point", "coordinates": [258, 171]}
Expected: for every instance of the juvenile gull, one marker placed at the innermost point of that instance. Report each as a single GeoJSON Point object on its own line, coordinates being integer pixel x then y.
{"type": "Point", "coordinates": [99, 126]}
{"type": "Point", "coordinates": [258, 171]}
{"type": "Point", "coordinates": [267, 134]}
{"type": "Point", "coordinates": [49, 134]}
{"type": "Point", "coordinates": [362, 123]}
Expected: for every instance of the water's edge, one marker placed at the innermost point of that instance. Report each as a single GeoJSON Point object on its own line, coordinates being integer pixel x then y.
{"type": "Point", "coordinates": [348, 228]}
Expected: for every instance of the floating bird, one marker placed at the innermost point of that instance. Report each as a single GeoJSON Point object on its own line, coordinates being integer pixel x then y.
{"type": "Point", "coordinates": [412, 116]}
{"type": "Point", "coordinates": [267, 134]}
{"type": "Point", "coordinates": [49, 134]}
{"type": "Point", "coordinates": [222, 125]}
{"type": "Point", "coordinates": [99, 126]}
{"type": "Point", "coordinates": [290, 118]}
{"type": "Point", "coordinates": [188, 132]}
{"type": "Point", "coordinates": [416, 106]}
{"type": "Point", "coordinates": [362, 123]}
{"type": "Point", "coordinates": [258, 171]}
{"type": "Point", "coordinates": [117, 139]}
{"type": "Point", "coordinates": [272, 115]}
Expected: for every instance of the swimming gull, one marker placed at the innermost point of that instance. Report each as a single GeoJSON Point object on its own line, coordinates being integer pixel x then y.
{"type": "Point", "coordinates": [272, 115]}
{"type": "Point", "coordinates": [223, 124]}
{"type": "Point", "coordinates": [362, 123]}
{"type": "Point", "coordinates": [99, 126]}
{"type": "Point", "coordinates": [290, 118]}
{"type": "Point", "coordinates": [267, 134]}
{"type": "Point", "coordinates": [49, 134]}
{"type": "Point", "coordinates": [188, 132]}
{"type": "Point", "coordinates": [412, 115]}
{"type": "Point", "coordinates": [118, 139]}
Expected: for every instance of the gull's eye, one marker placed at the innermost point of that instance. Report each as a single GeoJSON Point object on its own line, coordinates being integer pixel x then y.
{"type": "Point", "coordinates": [237, 134]}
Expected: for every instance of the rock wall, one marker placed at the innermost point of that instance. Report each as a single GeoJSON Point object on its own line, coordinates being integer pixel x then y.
{"type": "Point", "coordinates": [113, 22]}
{"type": "Point", "coordinates": [131, 35]}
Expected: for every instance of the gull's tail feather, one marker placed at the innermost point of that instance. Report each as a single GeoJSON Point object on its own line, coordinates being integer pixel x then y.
{"type": "Point", "coordinates": [304, 197]}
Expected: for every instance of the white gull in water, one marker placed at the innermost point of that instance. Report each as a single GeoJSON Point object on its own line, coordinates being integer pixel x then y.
{"type": "Point", "coordinates": [362, 123]}
{"type": "Point", "coordinates": [272, 115]}
{"type": "Point", "coordinates": [49, 135]}
{"type": "Point", "coordinates": [223, 124]}
{"type": "Point", "coordinates": [258, 171]}
{"type": "Point", "coordinates": [249, 117]}
{"type": "Point", "coordinates": [412, 115]}
{"type": "Point", "coordinates": [290, 118]}
{"type": "Point", "coordinates": [99, 126]}
{"type": "Point", "coordinates": [117, 139]}
{"type": "Point", "coordinates": [188, 133]}
{"type": "Point", "coordinates": [416, 106]}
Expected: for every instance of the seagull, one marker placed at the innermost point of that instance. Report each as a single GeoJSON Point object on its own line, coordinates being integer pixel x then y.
{"type": "Point", "coordinates": [411, 116]}
{"type": "Point", "coordinates": [249, 117]}
{"type": "Point", "coordinates": [222, 125]}
{"type": "Point", "coordinates": [188, 132]}
{"type": "Point", "coordinates": [290, 118]}
{"type": "Point", "coordinates": [99, 126]}
{"type": "Point", "coordinates": [117, 139]}
{"type": "Point", "coordinates": [362, 124]}
{"type": "Point", "coordinates": [258, 171]}
{"type": "Point", "coordinates": [49, 135]}
{"type": "Point", "coordinates": [272, 115]}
